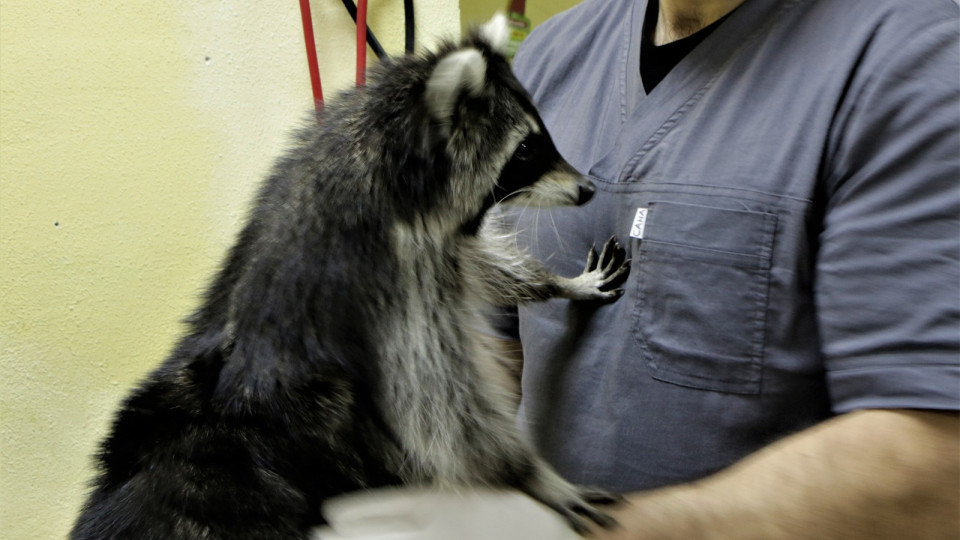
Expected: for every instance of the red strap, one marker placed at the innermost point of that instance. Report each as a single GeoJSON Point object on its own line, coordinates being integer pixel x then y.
{"type": "Point", "coordinates": [312, 63]}
{"type": "Point", "coordinates": [361, 42]}
{"type": "Point", "coordinates": [311, 54]}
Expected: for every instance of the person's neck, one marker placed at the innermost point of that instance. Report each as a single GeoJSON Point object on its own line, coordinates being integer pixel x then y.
{"type": "Point", "coordinates": [678, 19]}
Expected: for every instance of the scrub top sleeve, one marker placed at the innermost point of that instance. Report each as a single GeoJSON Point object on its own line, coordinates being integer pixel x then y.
{"type": "Point", "coordinates": [524, 65]}
{"type": "Point", "coordinates": [888, 270]}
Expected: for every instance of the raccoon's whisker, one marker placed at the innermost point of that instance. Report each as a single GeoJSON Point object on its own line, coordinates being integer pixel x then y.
{"type": "Point", "coordinates": [536, 226]}
{"type": "Point", "coordinates": [517, 193]}
{"type": "Point", "coordinates": [556, 232]}
{"type": "Point", "coordinates": [516, 239]}
{"type": "Point", "coordinates": [515, 232]}
{"type": "Point", "coordinates": [493, 195]}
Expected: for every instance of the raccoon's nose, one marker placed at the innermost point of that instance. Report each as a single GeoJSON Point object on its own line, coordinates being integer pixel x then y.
{"type": "Point", "coordinates": [585, 191]}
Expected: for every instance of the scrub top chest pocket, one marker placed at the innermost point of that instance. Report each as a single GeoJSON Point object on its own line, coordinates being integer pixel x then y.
{"type": "Point", "coordinates": [703, 280]}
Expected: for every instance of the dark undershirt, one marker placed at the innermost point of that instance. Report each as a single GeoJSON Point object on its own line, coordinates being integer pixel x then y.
{"type": "Point", "coordinates": [657, 61]}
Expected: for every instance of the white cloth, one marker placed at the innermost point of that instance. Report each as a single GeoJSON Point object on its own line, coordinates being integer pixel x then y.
{"type": "Point", "coordinates": [424, 514]}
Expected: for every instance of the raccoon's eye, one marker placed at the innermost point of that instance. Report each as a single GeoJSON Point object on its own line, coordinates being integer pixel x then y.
{"type": "Point", "coordinates": [524, 151]}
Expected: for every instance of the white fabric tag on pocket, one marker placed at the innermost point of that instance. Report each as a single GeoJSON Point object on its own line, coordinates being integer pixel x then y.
{"type": "Point", "coordinates": [639, 223]}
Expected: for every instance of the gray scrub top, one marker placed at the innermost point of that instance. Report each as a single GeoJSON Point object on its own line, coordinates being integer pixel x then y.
{"type": "Point", "coordinates": [789, 198]}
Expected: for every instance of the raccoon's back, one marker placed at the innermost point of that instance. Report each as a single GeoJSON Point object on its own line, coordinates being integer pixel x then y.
{"type": "Point", "coordinates": [316, 242]}
{"type": "Point", "coordinates": [181, 462]}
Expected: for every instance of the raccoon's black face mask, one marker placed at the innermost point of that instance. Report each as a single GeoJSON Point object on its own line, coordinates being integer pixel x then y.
{"type": "Point", "coordinates": [532, 159]}
{"type": "Point", "coordinates": [537, 159]}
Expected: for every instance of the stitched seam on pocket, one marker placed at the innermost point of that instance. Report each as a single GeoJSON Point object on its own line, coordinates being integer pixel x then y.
{"type": "Point", "coordinates": [697, 254]}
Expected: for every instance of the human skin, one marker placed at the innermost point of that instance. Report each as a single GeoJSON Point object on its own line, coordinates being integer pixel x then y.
{"type": "Point", "coordinates": [870, 474]}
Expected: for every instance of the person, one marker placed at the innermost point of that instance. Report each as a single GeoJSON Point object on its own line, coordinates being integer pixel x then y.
{"type": "Point", "coordinates": [786, 353]}
{"type": "Point", "coordinates": [784, 362]}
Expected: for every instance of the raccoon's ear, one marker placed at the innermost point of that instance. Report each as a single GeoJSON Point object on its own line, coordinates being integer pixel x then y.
{"type": "Point", "coordinates": [463, 71]}
{"type": "Point", "coordinates": [496, 32]}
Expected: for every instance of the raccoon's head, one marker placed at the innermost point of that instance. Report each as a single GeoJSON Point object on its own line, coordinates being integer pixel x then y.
{"type": "Point", "coordinates": [497, 145]}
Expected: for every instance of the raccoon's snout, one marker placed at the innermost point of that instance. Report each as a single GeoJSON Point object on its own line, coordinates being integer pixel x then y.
{"type": "Point", "coordinates": [585, 189]}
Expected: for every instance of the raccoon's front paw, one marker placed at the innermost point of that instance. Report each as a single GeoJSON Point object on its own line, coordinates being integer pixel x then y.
{"type": "Point", "coordinates": [580, 508]}
{"type": "Point", "coordinates": [601, 276]}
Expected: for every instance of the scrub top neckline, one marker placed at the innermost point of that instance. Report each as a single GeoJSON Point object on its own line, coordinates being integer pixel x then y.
{"type": "Point", "coordinates": [647, 118]}
{"type": "Point", "coordinates": [658, 60]}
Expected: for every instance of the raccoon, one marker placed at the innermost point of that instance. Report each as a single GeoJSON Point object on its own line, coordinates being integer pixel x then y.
{"type": "Point", "coordinates": [341, 346]}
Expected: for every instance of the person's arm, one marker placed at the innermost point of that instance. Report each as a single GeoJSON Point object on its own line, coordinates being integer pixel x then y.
{"type": "Point", "coordinates": [871, 474]}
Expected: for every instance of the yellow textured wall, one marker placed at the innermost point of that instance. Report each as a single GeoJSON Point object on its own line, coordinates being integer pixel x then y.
{"type": "Point", "coordinates": [132, 135]}
{"type": "Point", "coordinates": [478, 11]}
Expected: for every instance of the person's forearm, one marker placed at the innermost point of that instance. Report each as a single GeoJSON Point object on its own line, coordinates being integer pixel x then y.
{"type": "Point", "coordinates": [868, 474]}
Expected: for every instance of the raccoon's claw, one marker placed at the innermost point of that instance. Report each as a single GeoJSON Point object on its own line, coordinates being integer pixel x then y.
{"type": "Point", "coordinates": [611, 263]}
{"type": "Point", "coordinates": [603, 273]}
{"type": "Point", "coordinates": [600, 497]}
{"type": "Point", "coordinates": [603, 260]}
{"type": "Point", "coordinates": [577, 505]}
{"type": "Point", "coordinates": [601, 276]}
{"type": "Point", "coordinates": [618, 276]}
{"type": "Point", "coordinates": [581, 511]}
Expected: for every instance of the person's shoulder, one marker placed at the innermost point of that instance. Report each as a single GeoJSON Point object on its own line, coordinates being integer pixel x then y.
{"type": "Point", "coordinates": [568, 37]}
{"type": "Point", "coordinates": [921, 10]}
{"type": "Point", "coordinates": [583, 19]}
{"type": "Point", "coordinates": [903, 16]}
{"type": "Point", "coordinates": [879, 32]}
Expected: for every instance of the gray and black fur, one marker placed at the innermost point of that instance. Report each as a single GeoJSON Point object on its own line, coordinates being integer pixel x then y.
{"type": "Point", "coordinates": [341, 346]}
